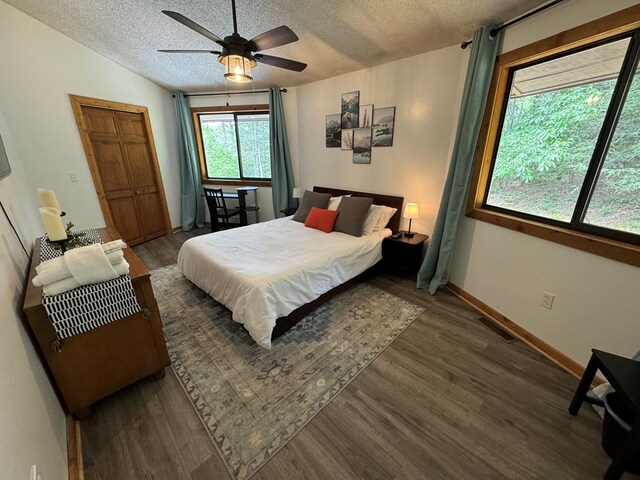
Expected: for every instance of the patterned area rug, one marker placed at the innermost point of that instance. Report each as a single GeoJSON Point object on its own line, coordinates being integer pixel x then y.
{"type": "Point", "coordinates": [252, 400]}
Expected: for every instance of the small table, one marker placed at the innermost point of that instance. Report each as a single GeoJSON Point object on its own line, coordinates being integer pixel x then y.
{"type": "Point", "coordinates": [403, 252]}
{"type": "Point", "coordinates": [289, 211]}
{"type": "Point", "coordinates": [624, 376]}
{"type": "Point", "coordinates": [241, 195]}
{"type": "Point", "coordinates": [244, 208]}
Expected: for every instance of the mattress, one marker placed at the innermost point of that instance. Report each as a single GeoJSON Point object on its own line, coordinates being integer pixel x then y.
{"type": "Point", "coordinates": [265, 271]}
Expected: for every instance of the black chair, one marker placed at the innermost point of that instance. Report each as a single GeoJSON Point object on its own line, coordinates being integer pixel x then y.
{"type": "Point", "coordinates": [218, 209]}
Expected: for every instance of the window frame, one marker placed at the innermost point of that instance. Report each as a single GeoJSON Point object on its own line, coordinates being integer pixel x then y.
{"type": "Point", "coordinates": [614, 244]}
{"type": "Point", "coordinates": [196, 112]}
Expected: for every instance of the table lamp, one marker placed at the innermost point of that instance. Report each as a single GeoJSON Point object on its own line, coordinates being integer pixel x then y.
{"type": "Point", "coordinates": [297, 193]}
{"type": "Point", "coordinates": [410, 212]}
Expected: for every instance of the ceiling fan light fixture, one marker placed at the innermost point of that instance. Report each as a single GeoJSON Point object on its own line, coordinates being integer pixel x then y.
{"type": "Point", "coordinates": [238, 54]}
{"type": "Point", "coordinates": [237, 68]}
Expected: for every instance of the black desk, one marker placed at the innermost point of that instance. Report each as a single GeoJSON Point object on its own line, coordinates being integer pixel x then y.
{"type": "Point", "coordinates": [624, 376]}
{"type": "Point", "coordinates": [241, 195]}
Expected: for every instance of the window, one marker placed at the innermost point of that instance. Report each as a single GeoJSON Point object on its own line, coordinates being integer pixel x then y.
{"type": "Point", "coordinates": [560, 157]}
{"type": "Point", "coordinates": [554, 114]}
{"type": "Point", "coordinates": [234, 145]}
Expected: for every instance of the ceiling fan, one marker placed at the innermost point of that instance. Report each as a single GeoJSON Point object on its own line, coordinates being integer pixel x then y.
{"type": "Point", "coordinates": [238, 54]}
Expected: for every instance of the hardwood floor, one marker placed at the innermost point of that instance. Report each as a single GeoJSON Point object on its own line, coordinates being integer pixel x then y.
{"type": "Point", "coordinates": [447, 399]}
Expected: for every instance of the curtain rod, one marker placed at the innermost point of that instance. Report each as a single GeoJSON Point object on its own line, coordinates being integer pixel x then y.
{"type": "Point", "coordinates": [531, 13]}
{"type": "Point", "coordinates": [226, 94]}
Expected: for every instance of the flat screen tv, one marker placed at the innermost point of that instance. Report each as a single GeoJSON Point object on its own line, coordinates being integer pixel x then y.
{"type": "Point", "coordinates": [5, 168]}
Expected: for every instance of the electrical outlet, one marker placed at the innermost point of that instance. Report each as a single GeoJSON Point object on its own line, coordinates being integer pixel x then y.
{"type": "Point", "coordinates": [547, 300]}
{"type": "Point", "coordinates": [35, 473]}
{"type": "Point", "coordinates": [73, 176]}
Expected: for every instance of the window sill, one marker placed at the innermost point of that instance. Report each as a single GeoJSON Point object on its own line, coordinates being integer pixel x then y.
{"type": "Point", "coordinates": [613, 249]}
{"type": "Point", "coordinates": [237, 183]}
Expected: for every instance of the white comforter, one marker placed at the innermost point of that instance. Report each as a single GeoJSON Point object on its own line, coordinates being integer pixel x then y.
{"type": "Point", "coordinates": [265, 271]}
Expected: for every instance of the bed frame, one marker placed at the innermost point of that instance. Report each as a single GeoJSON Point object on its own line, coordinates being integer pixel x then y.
{"type": "Point", "coordinates": [284, 324]}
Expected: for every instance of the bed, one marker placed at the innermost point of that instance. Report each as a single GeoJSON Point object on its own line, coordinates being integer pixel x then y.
{"type": "Point", "coordinates": [271, 274]}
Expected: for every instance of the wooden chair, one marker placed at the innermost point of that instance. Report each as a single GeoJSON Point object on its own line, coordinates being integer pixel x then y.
{"type": "Point", "coordinates": [218, 209]}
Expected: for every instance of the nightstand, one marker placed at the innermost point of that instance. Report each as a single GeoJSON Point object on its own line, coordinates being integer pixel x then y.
{"type": "Point", "coordinates": [403, 253]}
{"type": "Point", "coordinates": [289, 211]}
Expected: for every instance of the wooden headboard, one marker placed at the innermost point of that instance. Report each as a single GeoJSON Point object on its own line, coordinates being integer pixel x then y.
{"type": "Point", "coordinates": [387, 200]}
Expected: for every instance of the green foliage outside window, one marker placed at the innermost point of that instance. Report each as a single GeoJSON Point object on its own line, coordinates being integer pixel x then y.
{"type": "Point", "coordinates": [220, 149]}
{"type": "Point", "coordinates": [546, 144]}
{"type": "Point", "coordinates": [221, 146]}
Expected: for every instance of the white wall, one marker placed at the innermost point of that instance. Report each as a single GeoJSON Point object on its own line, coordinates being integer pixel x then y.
{"type": "Point", "coordinates": [425, 89]}
{"type": "Point", "coordinates": [289, 99]}
{"type": "Point", "coordinates": [597, 300]}
{"type": "Point", "coordinates": [32, 424]}
{"type": "Point", "coordinates": [40, 67]}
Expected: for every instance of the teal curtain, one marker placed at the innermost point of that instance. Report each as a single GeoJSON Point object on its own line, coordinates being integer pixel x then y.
{"type": "Point", "coordinates": [435, 267]}
{"type": "Point", "coordinates": [281, 173]}
{"type": "Point", "coordinates": [192, 204]}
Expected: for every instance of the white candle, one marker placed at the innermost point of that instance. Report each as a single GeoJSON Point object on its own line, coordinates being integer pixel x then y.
{"type": "Point", "coordinates": [53, 223]}
{"type": "Point", "coordinates": [48, 199]}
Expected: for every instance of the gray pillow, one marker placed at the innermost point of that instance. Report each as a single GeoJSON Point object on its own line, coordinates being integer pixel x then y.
{"type": "Point", "coordinates": [352, 213]}
{"type": "Point", "coordinates": [310, 200]}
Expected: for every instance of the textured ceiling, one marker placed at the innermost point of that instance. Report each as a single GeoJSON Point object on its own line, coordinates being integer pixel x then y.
{"type": "Point", "coordinates": [336, 37]}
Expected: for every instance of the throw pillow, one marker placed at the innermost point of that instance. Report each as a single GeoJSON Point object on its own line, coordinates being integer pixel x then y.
{"type": "Point", "coordinates": [352, 214]}
{"type": "Point", "coordinates": [321, 219]}
{"type": "Point", "coordinates": [310, 200]}
{"type": "Point", "coordinates": [335, 201]}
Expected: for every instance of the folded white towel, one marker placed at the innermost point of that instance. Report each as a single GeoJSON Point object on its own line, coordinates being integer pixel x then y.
{"type": "Point", "coordinates": [56, 269]}
{"type": "Point", "coordinates": [61, 286]}
{"type": "Point", "coordinates": [113, 246]}
{"type": "Point", "coordinates": [89, 265]}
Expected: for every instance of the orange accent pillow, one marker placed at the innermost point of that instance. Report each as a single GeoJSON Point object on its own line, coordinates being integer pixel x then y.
{"type": "Point", "coordinates": [321, 219]}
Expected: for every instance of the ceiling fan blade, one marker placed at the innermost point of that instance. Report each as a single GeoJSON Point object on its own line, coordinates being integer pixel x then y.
{"type": "Point", "coordinates": [214, 52]}
{"type": "Point", "coordinates": [194, 26]}
{"type": "Point", "coordinates": [273, 38]}
{"type": "Point", "coordinates": [280, 62]}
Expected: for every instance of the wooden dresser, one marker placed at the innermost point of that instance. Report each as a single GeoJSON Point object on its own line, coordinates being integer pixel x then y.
{"type": "Point", "coordinates": [97, 363]}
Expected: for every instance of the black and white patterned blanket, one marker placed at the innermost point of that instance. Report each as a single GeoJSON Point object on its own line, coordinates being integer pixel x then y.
{"type": "Point", "coordinates": [90, 306]}
{"type": "Point", "coordinates": [47, 252]}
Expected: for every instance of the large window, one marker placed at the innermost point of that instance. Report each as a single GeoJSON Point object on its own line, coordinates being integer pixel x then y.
{"type": "Point", "coordinates": [234, 145]}
{"type": "Point", "coordinates": [561, 153]}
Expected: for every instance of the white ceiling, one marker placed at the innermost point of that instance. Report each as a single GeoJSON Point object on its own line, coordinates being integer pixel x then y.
{"type": "Point", "coordinates": [336, 37]}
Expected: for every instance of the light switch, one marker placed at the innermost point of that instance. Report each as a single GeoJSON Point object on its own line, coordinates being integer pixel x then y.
{"type": "Point", "coordinates": [73, 176]}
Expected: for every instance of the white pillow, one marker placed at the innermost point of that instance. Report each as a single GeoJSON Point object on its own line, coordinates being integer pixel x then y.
{"type": "Point", "coordinates": [371, 220]}
{"type": "Point", "coordinates": [385, 215]}
{"type": "Point", "coordinates": [334, 202]}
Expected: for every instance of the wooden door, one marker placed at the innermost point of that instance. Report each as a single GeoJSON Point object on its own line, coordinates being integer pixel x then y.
{"type": "Point", "coordinates": [119, 146]}
{"type": "Point", "coordinates": [140, 165]}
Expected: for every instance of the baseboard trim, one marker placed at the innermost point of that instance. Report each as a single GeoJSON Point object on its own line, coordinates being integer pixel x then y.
{"type": "Point", "coordinates": [176, 229]}
{"type": "Point", "coordinates": [553, 354]}
{"type": "Point", "coordinates": [74, 449]}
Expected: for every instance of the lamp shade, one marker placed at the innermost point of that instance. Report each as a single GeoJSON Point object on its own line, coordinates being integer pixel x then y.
{"type": "Point", "coordinates": [297, 192]}
{"type": "Point", "coordinates": [411, 210]}
{"type": "Point", "coordinates": [237, 68]}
